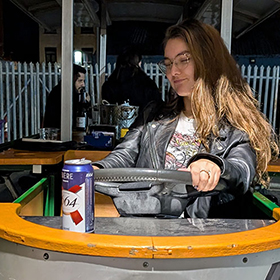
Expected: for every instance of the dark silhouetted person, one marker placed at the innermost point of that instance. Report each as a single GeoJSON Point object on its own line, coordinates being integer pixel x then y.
{"type": "Point", "coordinates": [129, 82]}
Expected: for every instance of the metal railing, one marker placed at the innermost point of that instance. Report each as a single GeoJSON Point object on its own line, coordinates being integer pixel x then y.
{"type": "Point", "coordinates": [24, 89]}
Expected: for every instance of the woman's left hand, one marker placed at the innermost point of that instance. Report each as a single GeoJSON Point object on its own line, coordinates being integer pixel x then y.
{"type": "Point", "coordinates": [205, 174]}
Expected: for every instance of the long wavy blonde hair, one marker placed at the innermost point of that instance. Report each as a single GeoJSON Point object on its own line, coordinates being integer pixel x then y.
{"type": "Point", "coordinates": [229, 98]}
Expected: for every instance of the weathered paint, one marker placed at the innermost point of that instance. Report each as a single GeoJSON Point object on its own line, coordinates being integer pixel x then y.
{"type": "Point", "coordinates": [18, 230]}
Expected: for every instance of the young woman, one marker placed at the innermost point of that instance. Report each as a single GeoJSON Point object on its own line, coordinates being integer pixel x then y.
{"type": "Point", "coordinates": [213, 128]}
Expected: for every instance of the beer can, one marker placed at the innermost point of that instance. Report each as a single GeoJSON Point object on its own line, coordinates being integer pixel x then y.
{"type": "Point", "coordinates": [78, 196]}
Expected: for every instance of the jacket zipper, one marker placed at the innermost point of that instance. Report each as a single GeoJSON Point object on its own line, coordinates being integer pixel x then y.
{"type": "Point", "coordinates": [152, 149]}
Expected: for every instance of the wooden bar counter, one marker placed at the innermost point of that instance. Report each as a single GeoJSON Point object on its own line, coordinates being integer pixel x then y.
{"type": "Point", "coordinates": [21, 157]}
{"type": "Point", "coordinates": [274, 166]}
{"type": "Point", "coordinates": [44, 164]}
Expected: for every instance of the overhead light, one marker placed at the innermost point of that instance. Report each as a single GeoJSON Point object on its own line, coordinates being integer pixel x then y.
{"type": "Point", "coordinates": [78, 57]}
{"type": "Point", "coordinates": [252, 60]}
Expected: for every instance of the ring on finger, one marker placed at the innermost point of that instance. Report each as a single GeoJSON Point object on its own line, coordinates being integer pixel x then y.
{"type": "Point", "coordinates": [206, 171]}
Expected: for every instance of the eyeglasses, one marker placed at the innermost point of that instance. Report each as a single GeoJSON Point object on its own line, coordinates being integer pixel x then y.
{"type": "Point", "coordinates": [181, 61]}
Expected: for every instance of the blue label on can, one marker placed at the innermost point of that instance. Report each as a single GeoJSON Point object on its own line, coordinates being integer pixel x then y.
{"type": "Point", "coordinates": [78, 196]}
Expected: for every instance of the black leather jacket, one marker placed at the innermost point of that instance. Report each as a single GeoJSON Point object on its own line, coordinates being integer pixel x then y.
{"type": "Point", "coordinates": [145, 147]}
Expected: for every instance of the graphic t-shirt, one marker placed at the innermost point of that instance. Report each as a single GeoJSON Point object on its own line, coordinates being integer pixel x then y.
{"type": "Point", "coordinates": [183, 144]}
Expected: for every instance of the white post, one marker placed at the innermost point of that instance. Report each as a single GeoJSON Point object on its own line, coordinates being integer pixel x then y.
{"type": "Point", "coordinates": [102, 49]}
{"type": "Point", "coordinates": [102, 60]}
{"type": "Point", "coordinates": [226, 22]}
{"type": "Point", "coordinates": [67, 70]}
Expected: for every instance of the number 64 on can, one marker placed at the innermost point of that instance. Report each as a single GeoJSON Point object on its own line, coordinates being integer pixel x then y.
{"type": "Point", "coordinates": [78, 196]}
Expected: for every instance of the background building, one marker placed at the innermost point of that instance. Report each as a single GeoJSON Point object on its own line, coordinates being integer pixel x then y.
{"type": "Point", "coordinates": [31, 30]}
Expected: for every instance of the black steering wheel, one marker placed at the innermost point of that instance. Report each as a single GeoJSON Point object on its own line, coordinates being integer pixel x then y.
{"type": "Point", "coordinates": [149, 192]}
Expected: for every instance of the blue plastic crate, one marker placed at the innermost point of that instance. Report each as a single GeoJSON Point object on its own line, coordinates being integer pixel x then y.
{"type": "Point", "coordinates": [101, 140]}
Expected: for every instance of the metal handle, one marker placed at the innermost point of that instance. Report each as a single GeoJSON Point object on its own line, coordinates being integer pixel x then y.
{"type": "Point", "coordinates": [146, 175]}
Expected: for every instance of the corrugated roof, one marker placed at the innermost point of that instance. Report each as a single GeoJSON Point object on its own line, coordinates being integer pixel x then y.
{"type": "Point", "coordinates": [248, 15]}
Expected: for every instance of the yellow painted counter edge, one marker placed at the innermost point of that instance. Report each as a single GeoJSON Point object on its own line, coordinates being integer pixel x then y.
{"type": "Point", "coordinates": [15, 229]}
